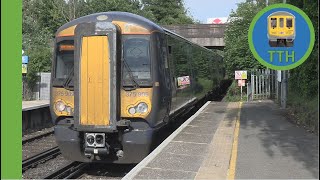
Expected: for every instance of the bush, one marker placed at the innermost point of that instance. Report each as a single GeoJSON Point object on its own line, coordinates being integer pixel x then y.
{"type": "Point", "coordinates": [234, 93]}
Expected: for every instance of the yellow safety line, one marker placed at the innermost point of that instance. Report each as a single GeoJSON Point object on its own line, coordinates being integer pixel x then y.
{"type": "Point", "coordinates": [233, 161]}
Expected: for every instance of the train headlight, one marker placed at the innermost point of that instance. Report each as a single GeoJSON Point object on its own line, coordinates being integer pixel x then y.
{"type": "Point", "coordinates": [142, 108]}
{"type": "Point", "coordinates": [60, 106]}
{"type": "Point", "coordinates": [132, 111]}
{"type": "Point", "coordinates": [90, 139]}
{"type": "Point", "coordinates": [69, 109]}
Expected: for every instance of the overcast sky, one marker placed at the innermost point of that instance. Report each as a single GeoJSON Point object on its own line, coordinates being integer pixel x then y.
{"type": "Point", "coordinates": [203, 9]}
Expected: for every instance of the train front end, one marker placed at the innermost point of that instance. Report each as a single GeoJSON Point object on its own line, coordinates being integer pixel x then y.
{"type": "Point", "coordinates": [102, 90]}
{"type": "Point", "coordinates": [281, 29]}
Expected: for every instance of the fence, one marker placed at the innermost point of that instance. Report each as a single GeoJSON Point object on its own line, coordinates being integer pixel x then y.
{"type": "Point", "coordinates": [266, 84]}
{"type": "Point", "coordinates": [262, 84]}
{"type": "Point", "coordinates": [41, 91]}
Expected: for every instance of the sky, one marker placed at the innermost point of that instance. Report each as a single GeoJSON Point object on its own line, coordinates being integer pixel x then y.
{"type": "Point", "coordinates": [203, 9]}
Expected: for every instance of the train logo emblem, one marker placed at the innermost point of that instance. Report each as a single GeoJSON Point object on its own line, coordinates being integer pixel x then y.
{"type": "Point", "coordinates": [281, 37]}
{"type": "Point", "coordinates": [281, 29]}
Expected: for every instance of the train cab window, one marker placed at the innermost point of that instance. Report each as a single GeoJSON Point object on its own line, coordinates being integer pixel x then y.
{"type": "Point", "coordinates": [64, 59]}
{"type": "Point", "coordinates": [136, 54]}
{"type": "Point", "coordinates": [289, 22]}
{"type": "Point", "coordinates": [281, 23]}
{"type": "Point", "coordinates": [273, 22]}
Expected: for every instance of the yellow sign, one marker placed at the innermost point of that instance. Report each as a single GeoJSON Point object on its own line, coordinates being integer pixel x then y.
{"type": "Point", "coordinates": [240, 74]}
{"type": "Point", "coordinates": [24, 68]}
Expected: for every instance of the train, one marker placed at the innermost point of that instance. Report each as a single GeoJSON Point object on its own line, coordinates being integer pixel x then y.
{"type": "Point", "coordinates": [281, 29]}
{"type": "Point", "coordinates": [117, 78]}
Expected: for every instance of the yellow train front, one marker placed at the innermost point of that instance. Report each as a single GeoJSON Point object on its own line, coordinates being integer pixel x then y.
{"type": "Point", "coordinates": [114, 84]}
{"type": "Point", "coordinates": [281, 29]}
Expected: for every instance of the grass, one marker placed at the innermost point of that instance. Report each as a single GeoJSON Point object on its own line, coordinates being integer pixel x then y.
{"type": "Point", "coordinates": [234, 93]}
{"type": "Point", "coordinates": [305, 111]}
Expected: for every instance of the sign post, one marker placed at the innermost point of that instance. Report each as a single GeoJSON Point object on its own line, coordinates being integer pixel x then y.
{"type": "Point", "coordinates": [25, 61]}
{"type": "Point", "coordinates": [241, 76]}
{"type": "Point", "coordinates": [241, 90]}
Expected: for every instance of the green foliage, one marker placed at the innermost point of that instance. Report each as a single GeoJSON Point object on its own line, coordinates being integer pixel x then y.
{"type": "Point", "coordinates": [234, 93]}
{"type": "Point", "coordinates": [305, 111]}
{"type": "Point", "coordinates": [303, 82]}
{"type": "Point", "coordinates": [237, 54]}
{"type": "Point", "coordinates": [304, 79]}
{"type": "Point", "coordinates": [168, 12]}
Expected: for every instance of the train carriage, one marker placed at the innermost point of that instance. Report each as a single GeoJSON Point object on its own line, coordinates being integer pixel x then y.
{"type": "Point", "coordinates": [117, 78]}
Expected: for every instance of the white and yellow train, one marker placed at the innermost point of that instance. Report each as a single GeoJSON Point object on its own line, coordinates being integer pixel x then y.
{"type": "Point", "coordinates": [281, 29]}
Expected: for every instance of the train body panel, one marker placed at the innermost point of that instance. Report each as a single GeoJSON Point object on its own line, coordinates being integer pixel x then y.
{"type": "Point", "coordinates": [117, 78]}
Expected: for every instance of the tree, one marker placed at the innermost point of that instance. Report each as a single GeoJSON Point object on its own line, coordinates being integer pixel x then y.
{"type": "Point", "coordinates": [237, 54]}
{"type": "Point", "coordinates": [168, 12]}
{"type": "Point", "coordinates": [304, 79]}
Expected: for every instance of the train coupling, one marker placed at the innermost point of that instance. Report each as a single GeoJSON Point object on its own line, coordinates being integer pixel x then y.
{"type": "Point", "coordinates": [89, 151]}
{"type": "Point", "coordinates": [124, 123]}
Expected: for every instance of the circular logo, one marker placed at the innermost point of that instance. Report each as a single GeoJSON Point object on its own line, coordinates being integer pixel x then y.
{"type": "Point", "coordinates": [281, 36]}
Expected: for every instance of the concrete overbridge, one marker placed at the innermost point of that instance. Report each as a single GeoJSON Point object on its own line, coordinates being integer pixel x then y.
{"type": "Point", "coordinates": [208, 35]}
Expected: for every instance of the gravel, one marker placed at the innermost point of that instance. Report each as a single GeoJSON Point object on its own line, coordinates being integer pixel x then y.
{"type": "Point", "coordinates": [37, 146]}
{"type": "Point", "coordinates": [42, 170]}
{"type": "Point", "coordinates": [106, 171]}
{"type": "Point", "coordinates": [36, 133]}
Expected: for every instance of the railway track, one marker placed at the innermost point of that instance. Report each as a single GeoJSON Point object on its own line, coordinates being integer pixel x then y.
{"type": "Point", "coordinates": [69, 171]}
{"type": "Point", "coordinates": [40, 158]}
{"type": "Point", "coordinates": [30, 139]}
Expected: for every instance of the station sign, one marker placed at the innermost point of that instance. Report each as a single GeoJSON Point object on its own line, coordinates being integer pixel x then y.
{"type": "Point", "coordinates": [241, 82]}
{"type": "Point", "coordinates": [24, 68]}
{"type": "Point", "coordinates": [184, 80]}
{"type": "Point", "coordinates": [281, 36]}
{"type": "Point", "coordinates": [25, 59]}
{"type": "Point", "coordinates": [240, 74]}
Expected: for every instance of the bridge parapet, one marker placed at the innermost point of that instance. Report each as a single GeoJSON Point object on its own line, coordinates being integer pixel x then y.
{"type": "Point", "coordinates": [208, 35]}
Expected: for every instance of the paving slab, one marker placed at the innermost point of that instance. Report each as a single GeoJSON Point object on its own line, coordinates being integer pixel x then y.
{"type": "Point", "coordinates": [184, 154]}
{"type": "Point", "coordinates": [271, 147]}
{"type": "Point", "coordinates": [30, 105]}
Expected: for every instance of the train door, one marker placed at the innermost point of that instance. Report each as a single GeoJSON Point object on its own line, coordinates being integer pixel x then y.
{"type": "Point", "coordinates": [95, 81]}
{"type": "Point", "coordinates": [97, 69]}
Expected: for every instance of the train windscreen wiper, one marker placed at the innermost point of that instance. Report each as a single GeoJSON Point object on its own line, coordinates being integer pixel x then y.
{"type": "Point", "coordinates": [66, 83]}
{"type": "Point", "coordinates": [131, 75]}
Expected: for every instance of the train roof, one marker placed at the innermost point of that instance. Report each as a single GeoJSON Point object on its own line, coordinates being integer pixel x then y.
{"type": "Point", "coordinates": [125, 17]}
{"type": "Point", "coordinates": [115, 16]}
{"type": "Point", "coordinates": [280, 13]}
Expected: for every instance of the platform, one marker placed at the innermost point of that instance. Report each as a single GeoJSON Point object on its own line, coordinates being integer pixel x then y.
{"type": "Point", "coordinates": [233, 141]}
{"type": "Point", "coordinates": [31, 105]}
{"type": "Point", "coordinates": [35, 116]}
{"type": "Point", "coordinates": [190, 151]}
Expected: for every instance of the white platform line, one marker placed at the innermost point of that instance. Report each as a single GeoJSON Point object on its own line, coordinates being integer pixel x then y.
{"type": "Point", "coordinates": [156, 151]}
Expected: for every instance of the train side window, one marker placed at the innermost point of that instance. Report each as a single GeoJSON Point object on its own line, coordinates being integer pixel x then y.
{"type": "Point", "coordinates": [289, 22]}
{"type": "Point", "coordinates": [273, 22]}
{"type": "Point", "coordinates": [281, 22]}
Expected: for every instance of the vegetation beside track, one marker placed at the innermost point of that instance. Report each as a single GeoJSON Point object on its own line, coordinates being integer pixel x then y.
{"type": "Point", "coordinates": [234, 93]}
